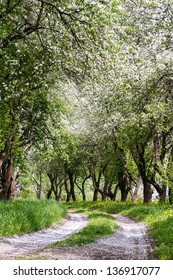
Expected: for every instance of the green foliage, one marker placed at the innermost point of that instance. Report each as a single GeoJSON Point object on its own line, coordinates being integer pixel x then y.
{"type": "Point", "coordinates": [41, 43]}
{"type": "Point", "coordinates": [23, 216]}
{"type": "Point", "coordinates": [91, 81]}
{"type": "Point", "coordinates": [99, 225]}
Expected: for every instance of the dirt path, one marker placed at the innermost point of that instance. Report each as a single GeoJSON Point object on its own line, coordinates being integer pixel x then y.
{"type": "Point", "coordinates": [16, 246]}
{"type": "Point", "coordinates": [130, 242]}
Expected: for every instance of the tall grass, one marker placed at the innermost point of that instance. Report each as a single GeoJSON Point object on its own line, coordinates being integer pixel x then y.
{"type": "Point", "coordinates": [21, 216]}
{"type": "Point", "coordinates": [158, 218]}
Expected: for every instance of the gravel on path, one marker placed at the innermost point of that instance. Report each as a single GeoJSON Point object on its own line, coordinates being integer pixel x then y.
{"type": "Point", "coordinates": [15, 246]}
{"type": "Point", "coordinates": [130, 242]}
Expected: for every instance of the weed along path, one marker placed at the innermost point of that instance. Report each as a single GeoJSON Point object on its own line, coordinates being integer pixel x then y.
{"type": "Point", "coordinates": [130, 242]}
{"type": "Point", "coordinates": [17, 246]}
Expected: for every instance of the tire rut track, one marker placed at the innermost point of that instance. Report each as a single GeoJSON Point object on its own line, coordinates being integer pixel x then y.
{"type": "Point", "coordinates": [15, 246]}
{"type": "Point", "coordinates": [130, 242]}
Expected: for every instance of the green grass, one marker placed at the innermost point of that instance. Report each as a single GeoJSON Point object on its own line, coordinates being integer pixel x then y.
{"type": "Point", "coordinates": [159, 219]}
{"type": "Point", "coordinates": [21, 216]}
{"type": "Point", "coordinates": [99, 225]}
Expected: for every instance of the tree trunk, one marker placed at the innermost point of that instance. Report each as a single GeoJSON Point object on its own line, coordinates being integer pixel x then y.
{"type": "Point", "coordinates": [170, 195]}
{"type": "Point", "coordinates": [7, 180]}
{"type": "Point", "coordinates": [49, 193]}
{"type": "Point", "coordinates": [10, 181]}
{"type": "Point", "coordinates": [72, 186]}
{"type": "Point", "coordinates": [134, 194]}
{"type": "Point", "coordinates": [114, 195]}
{"type": "Point", "coordinates": [58, 186]}
{"type": "Point", "coordinates": [124, 190]}
{"type": "Point", "coordinates": [83, 196]}
{"type": "Point", "coordinates": [123, 185]}
{"type": "Point", "coordinates": [104, 196]}
{"type": "Point", "coordinates": [96, 185]}
{"type": "Point", "coordinates": [52, 187]}
{"type": "Point", "coordinates": [147, 191]}
{"type": "Point", "coordinates": [67, 191]}
{"type": "Point", "coordinates": [162, 196]}
{"type": "Point", "coordinates": [83, 187]}
{"type": "Point", "coordinates": [95, 195]}
{"type": "Point", "coordinates": [39, 185]}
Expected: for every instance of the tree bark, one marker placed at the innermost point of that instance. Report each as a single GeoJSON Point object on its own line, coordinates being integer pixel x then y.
{"type": "Point", "coordinates": [170, 195]}
{"type": "Point", "coordinates": [67, 191]}
{"type": "Point", "coordinates": [95, 195]}
{"type": "Point", "coordinates": [7, 180]}
{"type": "Point", "coordinates": [72, 186]}
{"type": "Point", "coordinates": [141, 164]}
{"type": "Point", "coordinates": [134, 194]}
{"type": "Point", "coordinates": [147, 191]}
{"type": "Point", "coordinates": [82, 189]}
{"type": "Point", "coordinates": [39, 185]}
{"type": "Point", "coordinates": [52, 187]}
{"type": "Point", "coordinates": [96, 185]}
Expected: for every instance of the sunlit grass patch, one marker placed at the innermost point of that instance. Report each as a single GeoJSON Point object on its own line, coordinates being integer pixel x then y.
{"type": "Point", "coordinates": [158, 218]}
{"type": "Point", "coordinates": [99, 225]}
{"type": "Point", "coordinates": [21, 216]}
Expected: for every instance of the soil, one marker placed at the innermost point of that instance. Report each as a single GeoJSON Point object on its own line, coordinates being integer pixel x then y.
{"type": "Point", "coordinates": [130, 242]}
{"type": "Point", "coordinates": [19, 245]}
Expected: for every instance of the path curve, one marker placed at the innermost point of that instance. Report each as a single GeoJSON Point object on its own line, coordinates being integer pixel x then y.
{"type": "Point", "coordinates": [15, 246]}
{"type": "Point", "coordinates": [130, 242]}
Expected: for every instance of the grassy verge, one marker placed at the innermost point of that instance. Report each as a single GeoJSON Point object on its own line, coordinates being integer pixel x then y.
{"type": "Point", "coordinates": [21, 216]}
{"type": "Point", "coordinates": [159, 219]}
{"type": "Point", "coordinates": [99, 225]}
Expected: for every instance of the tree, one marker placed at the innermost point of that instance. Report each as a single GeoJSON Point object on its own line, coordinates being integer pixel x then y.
{"type": "Point", "coordinates": [134, 98]}
{"type": "Point", "coordinates": [40, 41]}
